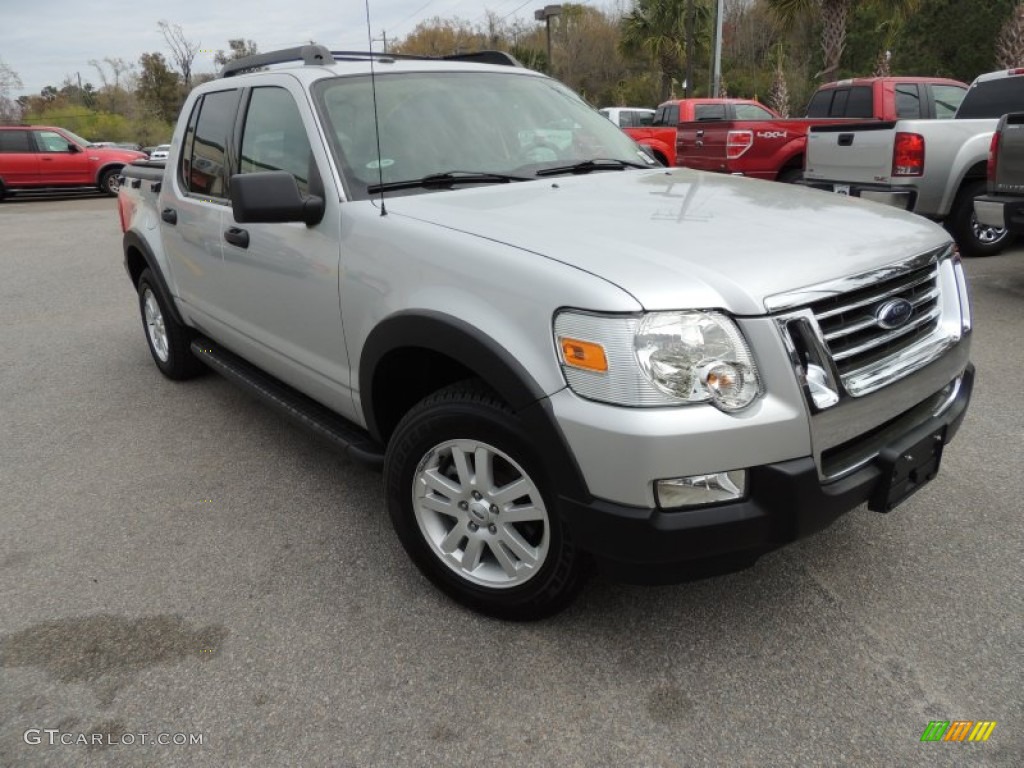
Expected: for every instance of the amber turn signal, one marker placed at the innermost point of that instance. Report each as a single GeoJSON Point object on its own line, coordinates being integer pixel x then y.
{"type": "Point", "coordinates": [583, 354]}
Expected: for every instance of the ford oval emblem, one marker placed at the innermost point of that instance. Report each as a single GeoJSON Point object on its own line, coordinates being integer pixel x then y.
{"type": "Point", "coordinates": [894, 314]}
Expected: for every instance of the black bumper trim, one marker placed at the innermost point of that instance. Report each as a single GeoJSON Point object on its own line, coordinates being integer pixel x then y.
{"type": "Point", "coordinates": [786, 501]}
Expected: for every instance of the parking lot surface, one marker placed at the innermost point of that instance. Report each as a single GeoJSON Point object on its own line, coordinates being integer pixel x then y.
{"type": "Point", "coordinates": [176, 560]}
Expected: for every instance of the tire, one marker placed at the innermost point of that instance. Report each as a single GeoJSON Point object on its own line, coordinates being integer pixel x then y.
{"type": "Point", "coordinates": [523, 565]}
{"type": "Point", "coordinates": [973, 238]}
{"type": "Point", "coordinates": [109, 184]}
{"type": "Point", "coordinates": [168, 340]}
{"type": "Point", "coordinates": [790, 176]}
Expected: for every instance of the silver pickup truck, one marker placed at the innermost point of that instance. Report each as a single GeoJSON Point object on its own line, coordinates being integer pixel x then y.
{"type": "Point", "coordinates": [1003, 206]}
{"type": "Point", "coordinates": [559, 355]}
{"type": "Point", "coordinates": [934, 168]}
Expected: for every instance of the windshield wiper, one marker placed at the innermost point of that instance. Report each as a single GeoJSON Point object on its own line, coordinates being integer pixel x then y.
{"type": "Point", "coordinates": [446, 180]}
{"type": "Point", "coordinates": [597, 164]}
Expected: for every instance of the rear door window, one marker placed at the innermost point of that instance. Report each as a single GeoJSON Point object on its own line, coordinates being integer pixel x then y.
{"type": "Point", "coordinates": [908, 102]}
{"type": "Point", "coordinates": [205, 161]}
{"type": "Point", "coordinates": [15, 141]}
{"type": "Point", "coordinates": [709, 111]}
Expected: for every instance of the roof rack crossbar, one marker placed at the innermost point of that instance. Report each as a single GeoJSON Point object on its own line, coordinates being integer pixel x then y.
{"type": "Point", "coordinates": [480, 57]}
{"type": "Point", "coordinates": [307, 54]}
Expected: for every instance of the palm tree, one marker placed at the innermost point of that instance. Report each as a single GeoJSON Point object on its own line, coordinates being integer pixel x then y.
{"type": "Point", "coordinates": [834, 15]}
{"type": "Point", "coordinates": [658, 29]}
{"type": "Point", "coordinates": [1010, 46]}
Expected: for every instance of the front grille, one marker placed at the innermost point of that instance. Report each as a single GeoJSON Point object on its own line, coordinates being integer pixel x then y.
{"type": "Point", "coordinates": [851, 330]}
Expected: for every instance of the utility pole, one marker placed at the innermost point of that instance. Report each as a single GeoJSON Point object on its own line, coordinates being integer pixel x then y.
{"type": "Point", "coordinates": [383, 38]}
{"type": "Point", "coordinates": [688, 88]}
{"type": "Point", "coordinates": [718, 48]}
{"type": "Point", "coordinates": [545, 14]}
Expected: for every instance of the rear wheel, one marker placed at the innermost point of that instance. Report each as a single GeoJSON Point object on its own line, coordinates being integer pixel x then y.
{"type": "Point", "coordinates": [974, 238]}
{"type": "Point", "coordinates": [472, 505]}
{"type": "Point", "coordinates": [791, 175]}
{"type": "Point", "coordinates": [168, 340]}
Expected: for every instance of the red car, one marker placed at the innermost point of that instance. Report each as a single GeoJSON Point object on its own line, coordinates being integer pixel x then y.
{"type": "Point", "coordinates": [42, 157]}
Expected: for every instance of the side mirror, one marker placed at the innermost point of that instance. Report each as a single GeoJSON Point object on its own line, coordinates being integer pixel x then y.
{"type": "Point", "coordinates": [272, 197]}
{"type": "Point", "coordinates": [73, 148]}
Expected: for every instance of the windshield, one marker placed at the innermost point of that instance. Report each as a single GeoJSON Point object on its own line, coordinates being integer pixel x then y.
{"type": "Point", "coordinates": [76, 138]}
{"type": "Point", "coordinates": [512, 123]}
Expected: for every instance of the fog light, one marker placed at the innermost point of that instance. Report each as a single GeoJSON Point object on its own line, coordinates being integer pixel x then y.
{"type": "Point", "coordinates": [695, 490]}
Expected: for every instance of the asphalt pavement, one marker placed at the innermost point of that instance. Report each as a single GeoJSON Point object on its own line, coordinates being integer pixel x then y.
{"type": "Point", "coordinates": [179, 563]}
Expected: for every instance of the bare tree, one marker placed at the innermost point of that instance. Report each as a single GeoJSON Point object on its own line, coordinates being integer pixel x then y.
{"type": "Point", "coordinates": [183, 50]}
{"type": "Point", "coordinates": [123, 75]}
{"type": "Point", "coordinates": [9, 80]}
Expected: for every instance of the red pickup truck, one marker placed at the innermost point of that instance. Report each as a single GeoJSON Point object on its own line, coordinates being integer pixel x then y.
{"type": "Point", "coordinates": [774, 148]}
{"type": "Point", "coordinates": [660, 136]}
{"type": "Point", "coordinates": [41, 157]}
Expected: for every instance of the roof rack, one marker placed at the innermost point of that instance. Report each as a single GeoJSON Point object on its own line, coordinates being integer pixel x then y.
{"type": "Point", "coordinates": [479, 57]}
{"type": "Point", "coordinates": [307, 54]}
{"type": "Point", "coordinates": [314, 54]}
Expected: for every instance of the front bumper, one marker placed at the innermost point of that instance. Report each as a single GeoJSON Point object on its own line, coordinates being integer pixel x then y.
{"type": "Point", "coordinates": [786, 501]}
{"type": "Point", "coordinates": [1000, 211]}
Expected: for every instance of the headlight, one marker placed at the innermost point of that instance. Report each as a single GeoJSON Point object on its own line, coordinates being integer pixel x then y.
{"type": "Point", "coordinates": [657, 359]}
{"type": "Point", "coordinates": [697, 356]}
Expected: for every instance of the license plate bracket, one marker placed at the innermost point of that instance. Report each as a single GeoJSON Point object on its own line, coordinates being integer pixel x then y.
{"type": "Point", "coordinates": [907, 465]}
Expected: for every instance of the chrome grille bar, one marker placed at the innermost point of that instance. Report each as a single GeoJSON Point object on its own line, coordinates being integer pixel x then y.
{"type": "Point", "coordinates": [878, 296]}
{"type": "Point", "coordinates": [878, 341]}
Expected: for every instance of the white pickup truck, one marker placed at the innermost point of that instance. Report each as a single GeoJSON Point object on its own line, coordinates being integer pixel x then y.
{"type": "Point", "coordinates": [934, 168]}
{"type": "Point", "coordinates": [559, 353]}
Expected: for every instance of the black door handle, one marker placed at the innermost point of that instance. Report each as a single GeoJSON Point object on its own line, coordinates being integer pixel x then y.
{"type": "Point", "coordinates": [169, 215]}
{"type": "Point", "coordinates": [237, 236]}
{"type": "Point", "coordinates": [845, 139]}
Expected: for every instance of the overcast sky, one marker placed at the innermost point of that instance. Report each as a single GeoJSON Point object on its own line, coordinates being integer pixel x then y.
{"type": "Point", "coordinates": [45, 41]}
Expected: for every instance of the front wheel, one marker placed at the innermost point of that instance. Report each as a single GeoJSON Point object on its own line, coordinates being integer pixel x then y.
{"type": "Point", "coordinates": [472, 505]}
{"type": "Point", "coordinates": [109, 182]}
{"type": "Point", "coordinates": [973, 237]}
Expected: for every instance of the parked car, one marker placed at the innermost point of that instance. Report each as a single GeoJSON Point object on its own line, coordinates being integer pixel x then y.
{"type": "Point", "coordinates": [559, 355]}
{"type": "Point", "coordinates": [932, 167]}
{"type": "Point", "coordinates": [628, 117]}
{"type": "Point", "coordinates": [1003, 205]}
{"type": "Point", "coordinates": [660, 135]}
{"type": "Point", "coordinates": [160, 152]}
{"type": "Point", "coordinates": [35, 157]}
{"type": "Point", "coordinates": [774, 147]}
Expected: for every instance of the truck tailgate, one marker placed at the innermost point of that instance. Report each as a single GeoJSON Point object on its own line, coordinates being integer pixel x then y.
{"type": "Point", "coordinates": [860, 153]}
{"type": "Point", "coordinates": [1010, 168]}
